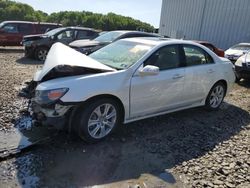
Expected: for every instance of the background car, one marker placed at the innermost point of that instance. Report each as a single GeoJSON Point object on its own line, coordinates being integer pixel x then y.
{"type": "Point", "coordinates": [125, 81]}
{"type": "Point", "coordinates": [242, 67]}
{"type": "Point", "coordinates": [237, 51]}
{"type": "Point", "coordinates": [38, 45]}
{"type": "Point", "coordinates": [87, 47]}
{"type": "Point", "coordinates": [216, 50]}
{"type": "Point", "coordinates": [12, 32]}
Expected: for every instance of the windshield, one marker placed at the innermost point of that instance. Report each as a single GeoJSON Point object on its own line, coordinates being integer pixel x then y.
{"type": "Point", "coordinates": [54, 31]}
{"type": "Point", "coordinates": [121, 54]}
{"type": "Point", "coordinates": [109, 36]}
{"type": "Point", "coordinates": [241, 47]}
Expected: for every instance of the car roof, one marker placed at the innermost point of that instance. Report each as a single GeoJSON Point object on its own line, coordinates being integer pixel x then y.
{"type": "Point", "coordinates": [243, 44]}
{"type": "Point", "coordinates": [201, 42]}
{"type": "Point", "coordinates": [160, 40]}
{"type": "Point", "coordinates": [13, 21]}
{"type": "Point", "coordinates": [81, 28]}
{"type": "Point", "coordinates": [136, 32]}
{"type": "Point", "coordinates": [27, 22]}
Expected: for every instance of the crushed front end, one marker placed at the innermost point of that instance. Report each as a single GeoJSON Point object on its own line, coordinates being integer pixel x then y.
{"type": "Point", "coordinates": [56, 115]}
{"type": "Point", "coordinates": [47, 109]}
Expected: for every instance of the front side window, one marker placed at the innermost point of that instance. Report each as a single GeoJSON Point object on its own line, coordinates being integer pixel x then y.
{"type": "Point", "coordinates": [196, 56]}
{"type": "Point", "coordinates": [69, 34]}
{"type": "Point", "coordinates": [10, 28]}
{"type": "Point", "coordinates": [165, 58]}
{"type": "Point", "coordinates": [121, 54]}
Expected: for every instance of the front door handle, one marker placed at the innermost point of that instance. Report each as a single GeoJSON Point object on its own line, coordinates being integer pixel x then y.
{"type": "Point", "coordinates": [210, 71]}
{"type": "Point", "coordinates": [177, 76]}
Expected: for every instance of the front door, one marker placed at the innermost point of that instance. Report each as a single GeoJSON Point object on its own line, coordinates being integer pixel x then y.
{"type": "Point", "coordinates": [158, 93]}
{"type": "Point", "coordinates": [66, 36]}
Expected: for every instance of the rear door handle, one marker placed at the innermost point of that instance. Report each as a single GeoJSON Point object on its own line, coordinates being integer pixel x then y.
{"type": "Point", "coordinates": [177, 76]}
{"type": "Point", "coordinates": [210, 71]}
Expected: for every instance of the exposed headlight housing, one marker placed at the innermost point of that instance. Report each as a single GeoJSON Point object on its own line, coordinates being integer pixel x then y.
{"type": "Point", "coordinates": [27, 43]}
{"type": "Point", "coordinates": [239, 62]}
{"type": "Point", "coordinates": [46, 97]}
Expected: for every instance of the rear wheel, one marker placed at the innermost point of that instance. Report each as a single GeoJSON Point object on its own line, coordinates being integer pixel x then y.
{"type": "Point", "coordinates": [216, 96]}
{"type": "Point", "coordinates": [41, 53]}
{"type": "Point", "coordinates": [97, 120]}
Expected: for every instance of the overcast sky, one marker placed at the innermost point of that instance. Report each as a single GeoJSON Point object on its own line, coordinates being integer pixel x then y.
{"type": "Point", "coordinates": [145, 10]}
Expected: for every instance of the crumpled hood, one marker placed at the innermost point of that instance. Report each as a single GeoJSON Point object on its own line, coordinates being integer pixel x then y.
{"type": "Point", "coordinates": [84, 43]}
{"type": "Point", "coordinates": [245, 58]}
{"type": "Point", "coordinates": [61, 54]}
{"type": "Point", "coordinates": [234, 52]}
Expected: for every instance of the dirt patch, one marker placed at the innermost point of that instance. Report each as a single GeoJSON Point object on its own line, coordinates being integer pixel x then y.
{"type": "Point", "coordinates": [191, 148]}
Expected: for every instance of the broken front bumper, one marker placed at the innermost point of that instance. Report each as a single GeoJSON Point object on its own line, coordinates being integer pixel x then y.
{"type": "Point", "coordinates": [56, 115]}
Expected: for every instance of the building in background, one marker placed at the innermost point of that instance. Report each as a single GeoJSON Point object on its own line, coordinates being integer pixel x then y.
{"type": "Point", "coordinates": [221, 22]}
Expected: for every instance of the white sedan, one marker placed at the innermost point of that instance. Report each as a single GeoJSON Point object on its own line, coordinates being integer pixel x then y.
{"type": "Point", "coordinates": [125, 81]}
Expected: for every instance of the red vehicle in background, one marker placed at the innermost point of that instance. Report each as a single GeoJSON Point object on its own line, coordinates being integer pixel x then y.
{"type": "Point", "coordinates": [216, 50]}
{"type": "Point", "coordinates": [12, 32]}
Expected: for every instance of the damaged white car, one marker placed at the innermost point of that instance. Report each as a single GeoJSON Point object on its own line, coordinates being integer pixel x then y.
{"type": "Point", "coordinates": [125, 81]}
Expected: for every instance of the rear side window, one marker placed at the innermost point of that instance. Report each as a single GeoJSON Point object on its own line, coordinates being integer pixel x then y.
{"type": "Point", "coordinates": [81, 34]}
{"type": "Point", "coordinates": [43, 28]}
{"type": "Point", "coordinates": [196, 56]}
{"type": "Point", "coordinates": [25, 29]}
{"type": "Point", "coordinates": [165, 58]}
{"type": "Point", "coordinates": [10, 28]}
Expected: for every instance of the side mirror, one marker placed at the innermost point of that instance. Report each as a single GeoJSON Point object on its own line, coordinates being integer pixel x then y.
{"type": "Point", "coordinates": [149, 70]}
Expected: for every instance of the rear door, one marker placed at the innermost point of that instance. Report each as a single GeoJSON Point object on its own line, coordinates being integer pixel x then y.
{"type": "Point", "coordinates": [154, 94]}
{"type": "Point", "coordinates": [200, 74]}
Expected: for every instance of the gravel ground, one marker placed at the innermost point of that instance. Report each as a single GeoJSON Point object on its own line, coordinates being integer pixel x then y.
{"type": "Point", "coordinates": [197, 148]}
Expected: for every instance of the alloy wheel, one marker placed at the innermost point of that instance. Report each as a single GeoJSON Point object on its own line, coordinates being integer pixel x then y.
{"type": "Point", "coordinates": [42, 54]}
{"type": "Point", "coordinates": [102, 120]}
{"type": "Point", "coordinates": [216, 96]}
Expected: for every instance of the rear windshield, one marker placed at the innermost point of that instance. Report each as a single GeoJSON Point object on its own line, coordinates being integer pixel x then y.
{"type": "Point", "coordinates": [54, 31]}
{"type": "Point", "coordinates": [109, 36]}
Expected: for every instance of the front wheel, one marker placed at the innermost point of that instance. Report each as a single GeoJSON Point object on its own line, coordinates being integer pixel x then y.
{"type": "Point", "coordinates": [216, 96]}
{"type": "Point", "coordinates": [41, 53]}
{"type": "Point", "coordinates": [98, 119]}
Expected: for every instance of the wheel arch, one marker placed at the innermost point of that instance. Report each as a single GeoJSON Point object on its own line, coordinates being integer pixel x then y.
{"type": "Point", "coordinates": [109, 96]}
{"type": "Point", "coordinates": [224, 82]}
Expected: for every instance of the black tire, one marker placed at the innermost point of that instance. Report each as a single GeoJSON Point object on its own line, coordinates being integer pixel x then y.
{"type": "Point", "coordinates": [41, 53]}
{"type": "Point", "coordinates": [85, 112]}
{"type": "Point", "coordinates": [214, 102]}
{"type": "Point", "coordinates": [237, 79]}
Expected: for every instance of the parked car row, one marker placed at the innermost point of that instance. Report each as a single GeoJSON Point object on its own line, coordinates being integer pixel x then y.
{"type": "Point", "coordinates": [87, 47]}
{"type": "Point", "coordinates": [12, 32]}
